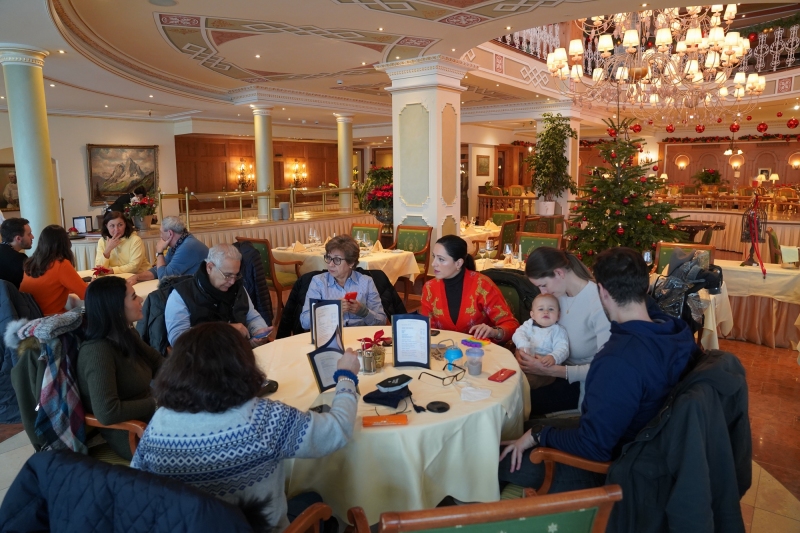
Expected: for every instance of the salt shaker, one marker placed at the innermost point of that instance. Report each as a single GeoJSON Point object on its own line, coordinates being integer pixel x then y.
{"type": "Point", "coordinates": [369, 362]}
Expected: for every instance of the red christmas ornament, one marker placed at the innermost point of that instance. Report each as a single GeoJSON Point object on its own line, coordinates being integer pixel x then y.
{"type": "Point", "coordinates": [579, 255]}
{"type": "Point", "coordinates": [650, 122]}
{"type": "Point", "coordinates": [779, 114]}
{"type": "Point", "coordinates": [594, 189]}
{"type": "Point", "coordinates": [620, 230]}
{"type": "Point", "coordinates": [670, 128]}
{"type": "Point", "coordinates": [699, 128]}
{"type": "Point", "coordinates": [792, 123]}
{"type": "Point", "coordinates": [734, 127]}
{"type": "Point", "coordinates": [636, 128]}
{"type": "Point", "coordinates": [590, 201]}
{"type": "Point", "coordinates": [641, 150]}
{"type": "Point", "coordinates": [643, 179]}
{"type": "Point", "coordinates": [655, 168]}
{"type": "Point", "coordinates": [613, 155]}
{"type": "Point", "coordinates": [762, 127]}
{"type": "Point", "coordinates": [584, 219]}
{"type": "Point", "coordinates": [635, 194]}
{"type": "Point", "coordinates": [663, 222]}
{"type": "Point", "coordinates": [589, 252]}
{"type": "Point", "coordinates": [612, 132]}
{"type": "Point", "coordinates": [574, 207]}
{"type": "Point", "coordinates": [625, 201]}
{"type": "Point", "coordinates": [749, 118]}
{"type": "Point", "coordinates": [649, 216]}
{"type": "Point", "coordinates": [617, 212]}
{"type": "Point", "coordinates": [752, 36]}
{"type": "Point", "coordinates": [719, 120]}
{"type": "Point", "coordinates": [638, 243]}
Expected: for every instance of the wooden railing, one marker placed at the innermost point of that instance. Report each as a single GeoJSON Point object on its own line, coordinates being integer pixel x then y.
{"type": "Point", "coordinates": [487, 203]}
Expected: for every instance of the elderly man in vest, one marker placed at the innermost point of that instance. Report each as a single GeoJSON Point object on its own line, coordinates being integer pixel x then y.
{"type": "Point", "coordinates": [215, 294]}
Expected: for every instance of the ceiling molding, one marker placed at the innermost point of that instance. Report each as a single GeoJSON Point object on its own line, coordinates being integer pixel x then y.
{"type": "Point", "coordinates": [257, 94]}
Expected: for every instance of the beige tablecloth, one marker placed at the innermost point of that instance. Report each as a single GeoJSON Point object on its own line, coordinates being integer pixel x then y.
{"type": "Point", "coordinates": [399, 468]}
{"type": "Point", "coordinates": [143, 288]}
{"type": "Point", "coordinates": [472, 233]}
{"type": "Point", "coordinates": [393, 264]}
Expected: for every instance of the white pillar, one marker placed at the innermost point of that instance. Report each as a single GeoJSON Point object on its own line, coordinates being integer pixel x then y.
{"type": "Point", "coordinates": [265, 172]}
{"type": "Point", "coordinates": [30, 137]}
{"type": "Point", "coordinates": [426, 130]}
{"type": "Point", "coordinates": [344, 138]}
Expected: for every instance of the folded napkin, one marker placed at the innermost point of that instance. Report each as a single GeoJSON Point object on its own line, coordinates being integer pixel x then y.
{"type": "Point", "coordinates": [474, 394]}
{"type": "Point", "coordinates": [377, 247]}
{"type": "Point", "coordinates": [491, 225]}
{"type": "Point", "coordinates": [298, 247]}
{"type": "Point", "coordinates": [508, 260]}
{"type": "Point", "coordinates": [326, 241]}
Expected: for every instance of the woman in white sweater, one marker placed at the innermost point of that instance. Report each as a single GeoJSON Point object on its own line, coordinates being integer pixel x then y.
{"type": "Point", "coordinates": [563, 275]}
{"type": "Point", "coordinates": [211, 430]}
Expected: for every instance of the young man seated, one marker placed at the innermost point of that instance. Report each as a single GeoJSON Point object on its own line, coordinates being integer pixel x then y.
{"type": "Point", "coordinates": [628, 381]}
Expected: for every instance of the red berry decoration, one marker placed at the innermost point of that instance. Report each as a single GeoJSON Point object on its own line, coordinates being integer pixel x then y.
{"type": "Point", "coordinates": [649, 216]}
{"type": "Point", "coordinates": [762, 127]}
{"type": "Point", "coordinates": [617, 212]}
{"type": "Point", "coordinates": [636, 128]}
{"type": "Point", "coordinates": [663, 222]}
{"type": "Point", "coordinates": [749, 118]}
{"type": "Point", "coordinates": [655, 168]}
{"type": "Point", "coordinates": [719, 120]}
{"type": "Point", "coordinates": [650, 122]}
{"type": "Point", "coordinates": [635, 194]}
{"type": "Point", "coordinates": [594, 189]}
{"type": "Point", "coordinates": [612, 132]}
{"type": "Point", "coordinates": [792, 123]}
{"type": "Point", "coordinates": [620, 230]}
{"type": "Point", "coordinates": [584, 219]}
{"type": "Point", "coordinates": [590, 201]}
{"type": "Point", "coordinates": [670, 128]}
{"type": "Point", "coordinates": [699, 128]}
{"type": "Point", "coordinates": [579, 255]}
{"type": "Point", "coordinates": [589, 252]}
{"type": "Point", "coordinates": [779, 114]}
{"type": "Point", "coordinates": [625, 201]}
{"type": "Point", "coordinates": [643, 179]}
{"type": "Point", "coordinates": [752, 36]}
{"type": "Point", "coordinates": [734, 127]}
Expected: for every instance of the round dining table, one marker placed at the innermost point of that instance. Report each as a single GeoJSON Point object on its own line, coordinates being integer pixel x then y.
{"type": "Point", "coordinates": [693, 227]}
{"type": "Point", "coordinates": [405, 467]}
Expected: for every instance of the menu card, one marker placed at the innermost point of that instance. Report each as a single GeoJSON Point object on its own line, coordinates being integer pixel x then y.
{"type": "Point", "coordinates": [323, 362]}
{"type": "Point", "coordinates": [326, 319]}
{"type": "Point", "coordinates": [412, 340]}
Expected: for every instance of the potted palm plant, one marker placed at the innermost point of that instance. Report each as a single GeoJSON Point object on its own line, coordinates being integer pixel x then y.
{"type": "Point", "coordinates": [549, 162]}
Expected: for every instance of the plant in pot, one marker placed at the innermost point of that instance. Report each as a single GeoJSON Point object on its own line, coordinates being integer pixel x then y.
{"type": "Point", "coordinates": [708, 178]}
{"type": "Point", "coordinates": [549, 162]}
{"type": "Point", "coordinates": [141, 211]}
{"type": "Point", "coordinates": [379, 197]}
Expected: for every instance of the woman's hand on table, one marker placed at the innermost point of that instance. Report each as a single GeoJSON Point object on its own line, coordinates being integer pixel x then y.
{"type": "Point", "coordinates": [484, 331]}
{"type": "Point", "coordinates": [517, 449]}
{"type": "Point", "coordinates": [533, 364]}
{"type": "Point", "coordinates": [349, 361]}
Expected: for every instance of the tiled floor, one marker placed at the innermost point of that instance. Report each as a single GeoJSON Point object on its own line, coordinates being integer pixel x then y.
{"type": "Point", "coordinates": [770, 506]}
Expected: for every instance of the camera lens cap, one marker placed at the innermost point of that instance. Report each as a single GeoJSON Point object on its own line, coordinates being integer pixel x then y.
{"type": "Point", "coordinates": [438, 407]}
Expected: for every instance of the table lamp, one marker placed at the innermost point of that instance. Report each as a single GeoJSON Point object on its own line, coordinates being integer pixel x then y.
{"type": "Point", "coordinates": [773, 178]}
{"type": "Point", "coordinates": [760, 179]}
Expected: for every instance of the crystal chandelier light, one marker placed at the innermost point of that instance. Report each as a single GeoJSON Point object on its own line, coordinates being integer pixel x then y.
{"type": "Point", "coordinates": [671, 66]}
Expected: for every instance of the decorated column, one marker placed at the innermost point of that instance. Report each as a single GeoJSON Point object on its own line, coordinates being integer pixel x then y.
{"type": "Point", "coordinates": [265, 172]}
{"type": "Point", "coordinates": [344, 138]}
{"type": "Point", "coordinates": [426, 112]}
{"type": "Point", "coordinates": [30, 137]}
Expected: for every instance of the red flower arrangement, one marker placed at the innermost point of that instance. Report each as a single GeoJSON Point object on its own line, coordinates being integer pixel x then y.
{"type": "Point", "coordinates": [376, 340]}
{"type": "Point", "coordinates": [139, 208]}
{"type": "Point", "coordinates": [101, 271]}
{"type": "Point", "coordinates": [380, 197]}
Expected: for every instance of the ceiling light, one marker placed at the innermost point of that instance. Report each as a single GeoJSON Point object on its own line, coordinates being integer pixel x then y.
{"type": "Point", "coordinates": [796, 107]}
{"type": "Point", "coordinates": [363, 62]}
{"type": "Point", "coordinates": [453, 49]}
{"type": "Point", "coordinates": [151, 96]}
{"type": "Point", "coordinates": [2, 97]}
{"type": "Point", "coordinates": [61, 52]}
{"type": "Point", "coordinates": [508, 28]}
{"type": "Point", "coordinates": [397, 57]}
{"type": "Point", "coordinates": [106, 105]}
{"type": "Point", "coordinates": [52, 85]}
{"type": "Point", "coordinates": [498, 85]}
{"type": "Point", "coordinates": [258, 56]}
{"type": "Point", "coordinates": [380, 29]}
{"type": "Point", "coordinates": [282, 109]}
{"type": "Point", "coordinates": [290, 119]}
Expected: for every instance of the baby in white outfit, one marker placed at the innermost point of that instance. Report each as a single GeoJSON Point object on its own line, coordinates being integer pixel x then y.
{"type": "Point", "coordinates": [542, 334]}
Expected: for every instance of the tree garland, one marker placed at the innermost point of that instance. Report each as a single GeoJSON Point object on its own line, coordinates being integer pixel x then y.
{"type": "Point", "coordinates": [765, 137]}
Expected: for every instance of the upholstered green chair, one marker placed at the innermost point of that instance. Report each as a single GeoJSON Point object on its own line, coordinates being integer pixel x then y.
{"type": "Point", "coordinates": [496, 191]}
{"type": "Point", "coordinates": [531, 224]}
{"type": "Point", "coordinates": [664, 251]}
{"type": "Point", "coordinates": [416, 239]}
{"type": "Point", "coordinates": [530, 241]}
{"type": "Point", "coordinates": [690, 189]}
{"type": "Point", "coordinates": [551, 224]}
{"type": "Point", "coordinates": [516, 190]}
{"type": "Point", "coordinates": [498, 217]}
{"type": "Point", "coordinates": [775, 255]}
{"type": "Point", "coordinates": [277, 280]}
{"type": "Point", "coordinates": [507, 232]}
{"type": "Point", "coordinates": [580, 511]}
{"type": "Point", "coordinates": [373, 231]}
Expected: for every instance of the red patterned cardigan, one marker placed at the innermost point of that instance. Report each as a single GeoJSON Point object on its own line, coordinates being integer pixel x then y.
{"type": "Point", "coordinates": [481, 303]}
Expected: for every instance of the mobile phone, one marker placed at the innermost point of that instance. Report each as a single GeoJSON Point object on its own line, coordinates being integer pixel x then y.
{"type": "Point", "coordinates": [435, 332]}
{"type": "Point", "coordinates": [322, 408]}
{"type": "Point", "coordinates": [262, 335]}
{"type": "Point", "coordinates": [268, 387]}
{"type": "Point", "coordinates": [502, 375]}
{"type": "Point", "coordinates": [351, 296]}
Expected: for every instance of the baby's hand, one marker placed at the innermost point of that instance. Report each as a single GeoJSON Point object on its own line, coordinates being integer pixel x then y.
{"type": "Point", "coordinates": [548, 360]}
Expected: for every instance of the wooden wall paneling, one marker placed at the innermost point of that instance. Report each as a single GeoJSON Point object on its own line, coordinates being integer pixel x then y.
{"type": "Point", "coordinates": [331, 151]}
{"type": "Point", "coordinates": [332, 171]}
{"type": "Point", "coordinates": [316, 170]}
{"type": "Point", "coordinates": [315, 150]}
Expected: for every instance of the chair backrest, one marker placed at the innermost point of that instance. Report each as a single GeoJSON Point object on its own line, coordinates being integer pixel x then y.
{"type": "Point", "coordinates": [747, 191]}
{"type": "Point", "coordinates": [516, 190]}
{"type": "Point", "coordinates": [775, 255]}
{"type": "Point", "coordinates": [516, 288]}
{"type": "Point", "coordinates": [551, 224]}
{"type": "Point", "coordinates": [496, 191]}
{"type": "Point", "coordinates": [371, 230]}
{"type": "Point", "coordinates": [531, 241]}
{"type": "Point", "coordinates": [415, 239]}
{"type": "Point", "coordinates": [664, 251]}
{"type": "Point", "coordinates": [690, 189]}
{"type": "Point", "coordinates": [310, 519]}
{"type": "Point", "coordinates": [498, 217]}
{"type": "Point", "coordinates": [787, 192]}
{"type": "Point", "coordinates": [580, 511]}
{"type": "Point", "coordinates": [531, 223]}
{"type": "Point", "coordinates": [264, 249]}
{"type": "Point", "coordinates": [508, 232]}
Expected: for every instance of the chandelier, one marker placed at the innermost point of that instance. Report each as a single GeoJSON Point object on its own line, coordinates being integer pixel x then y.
{"type": "Point", "coordinates": [671, 66]}
{"type": "Point", "coordinates": [299, 175]}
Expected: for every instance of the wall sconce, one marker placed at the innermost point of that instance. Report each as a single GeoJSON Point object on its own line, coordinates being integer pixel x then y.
{"type": "Point", "coordinates": [244, 179]}
{"type": "Point", "coordinates": [299, 175]}
{"type": "Point", "coordinates": [682, 161]}
{"type": "Point", "coordinates": [794, 160]}
{"type": "Point", "coordinates": [796, 164]}
{"type": "Point", "coordinates": [736, 162]}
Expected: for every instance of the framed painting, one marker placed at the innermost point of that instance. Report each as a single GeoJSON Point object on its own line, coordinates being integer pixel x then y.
{"type": "Point", "coordinates": [482, 165]}
{"type": "Point", "coordinates": [5, 170]}
{"type": "Point", "coordinates": [115, 170]}
{"type": "Point", "coordinates": [765, 172]}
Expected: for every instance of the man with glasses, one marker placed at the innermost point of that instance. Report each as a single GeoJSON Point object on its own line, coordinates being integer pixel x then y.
{"type": "Point", "coordinates": [215, 294]}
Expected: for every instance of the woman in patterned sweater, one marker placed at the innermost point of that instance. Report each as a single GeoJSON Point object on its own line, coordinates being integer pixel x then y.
{"type": "Point", "coordinates": [211, 430]}
{"type": "Point", "coordinates": [460, 299]}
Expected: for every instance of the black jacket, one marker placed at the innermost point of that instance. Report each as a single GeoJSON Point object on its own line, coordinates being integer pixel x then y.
{"type": "Point", "coordinates": [689, 467]}
{"type": "Point", "coordinates": [11, 263]}
{"type": "Point", "coordinates": [65, 492]}
{"type": "Point", "coordinates": [152, 327]}
{"type": "Point", "coordinates": [13, 306]}
{"type": "Point", "coordinates": [254, 280]}
{"type": "Point", "coordinates": [290, 319]}
{"type": "Point", "coordinates": [204, 307]}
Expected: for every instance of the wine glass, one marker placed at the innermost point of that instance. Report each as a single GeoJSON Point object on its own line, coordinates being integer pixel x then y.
{"type": "Point", "coordinates": [367, 240]}
{"type": "Point", "coordinates": [508, 251]}
{"type": "Point", "coordinates": [464, 221]}
{"type": "Point", "coordinates": [317, 238]}
{"type": "Point", "coordinates": [482, 253]}
{"type": "Point", "coordinates": [311, 236]}
{"type": "Point", "coordinates": [359, 237]}
{"type": "Point", "coordinates": [490, 246]}
{"type": "Point", "coordinates": [471, 221]}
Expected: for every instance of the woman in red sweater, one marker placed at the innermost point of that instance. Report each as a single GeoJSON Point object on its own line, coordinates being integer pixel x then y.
{"type": "Point", "coordinates": [462, 300]}
{"type": "Point", "coordinates": [49, 274]}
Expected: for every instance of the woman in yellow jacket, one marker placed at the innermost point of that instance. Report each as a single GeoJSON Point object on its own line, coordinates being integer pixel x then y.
{"type": "Point", "coordinates": [120, 249]}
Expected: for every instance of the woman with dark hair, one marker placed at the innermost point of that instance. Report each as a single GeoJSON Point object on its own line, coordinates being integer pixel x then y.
{"type": "Point", "coordinates": [49, 275]}
{"type": "Point", "coordinates": [460, 299]}
{"type": "Point", "coordinates": [341, 256]}
{"type": "Point", "coordinates": [115, 367]}
{"type": "Point", "coordinates": [212, 430]}
{"type": "Point", "coordinates": [564, 276]}
{"type": "Point", "coordinates": [120, 249]}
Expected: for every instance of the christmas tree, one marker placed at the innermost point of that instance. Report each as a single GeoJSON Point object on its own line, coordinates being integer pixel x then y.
{"type": "Point", "coordinates": [616, 208]}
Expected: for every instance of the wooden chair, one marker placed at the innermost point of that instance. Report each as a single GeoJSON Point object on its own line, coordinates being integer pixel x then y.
{"type": "Point", "coordinates": [103, 452]}
{"type": "Point", "coordinates": [508, 231]}
{"type": "Point", "coordinates": [775, 255]}
{"type": "Point", "coordinates": [371, 230]}
{"type": "Point", "coordinates": [310, 519]}
{"type": "Point", "coordinates": [580, 511]}
{"type": "Point", "coordinates": [498, 217]}
{"type": "Point", "coordinates": [496, 191]}
{"type": "Point", "coordinates": [516, 190]}
{"type": "Point", "coordinates": [531, 224]}
{"type": "Point", "coordinates": [664, 251]}
{"type": "Point", "coordinates": [279, 281]}
{"type": "Point", "coordinates": [415, 239]}
{"type": "Point", "coordinates": [530, 241]}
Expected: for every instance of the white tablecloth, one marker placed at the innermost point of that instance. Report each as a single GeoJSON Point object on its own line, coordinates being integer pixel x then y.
{"type": "Point", "coordinates": [399, 468]}
{"type": "Point", "coordinates": [472, 233]}
{"type": "Point", "coordinates": [393, 264]}
{"type": "Point", "coordinates": [780, 284]}
{"type": "Point", "coordinates": [143, 288]}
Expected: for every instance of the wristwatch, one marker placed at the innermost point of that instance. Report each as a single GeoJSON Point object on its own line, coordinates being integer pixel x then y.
{"type": "Point", "coordinates": [160, 253]}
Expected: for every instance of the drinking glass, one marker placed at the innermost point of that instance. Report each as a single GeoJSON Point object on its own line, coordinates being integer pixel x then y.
{"type": "Point", "coordinates": [507, 250]}
{"type": "Point", "coordinates": [647, 255]}
{"type": "Point", "coordinates": [359, 237]}
{"type": "Point", "coordinates": [311, 236]}
{"type": "Point", "coordinates": [317, 240]}
{"type": "Point", "coordinates": [367, 240]}
{"type": "Point", "coordinates": [472, 221]}
{"type": "Point", "coordinates": [482, 253]}
{"type": "Point", "coordinates": [464, 221]}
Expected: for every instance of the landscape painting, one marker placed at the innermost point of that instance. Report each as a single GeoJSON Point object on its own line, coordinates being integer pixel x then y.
{"type": "Point", "coordinates": [115, 170]}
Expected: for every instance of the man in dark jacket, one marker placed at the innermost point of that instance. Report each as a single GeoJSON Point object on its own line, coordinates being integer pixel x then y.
{"type": "Point", "coordinates": [215, 294]}
{"type": "Point", "coordinates": [628, 381]}
{"type": "Point", "coordinates": [17, 237]}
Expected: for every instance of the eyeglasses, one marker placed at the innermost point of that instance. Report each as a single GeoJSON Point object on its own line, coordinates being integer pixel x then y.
{"type": "Point", "coordinates": [447, 380]}
{"type": "Point", "coordinates": [336, 260]}
{"type": "Point", "coordinates": [228, 277]}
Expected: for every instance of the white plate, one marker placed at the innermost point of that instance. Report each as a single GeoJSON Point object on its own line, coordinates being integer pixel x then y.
{"type": "Point", "coordinates": [398, 251]}
{"type": "Point", "coordinates": [282, 248]}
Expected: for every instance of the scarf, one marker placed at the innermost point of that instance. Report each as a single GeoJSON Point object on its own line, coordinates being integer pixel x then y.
{"type": "Point", "coordinates": [227, 297]}
{"type": "Point", "coordinates": [180, 241]}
